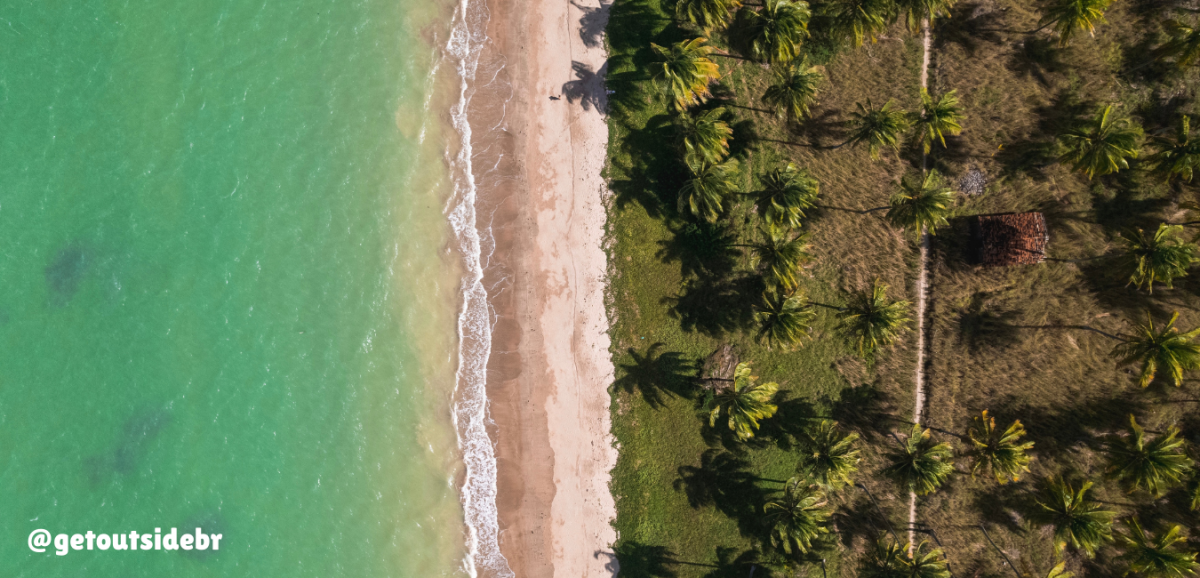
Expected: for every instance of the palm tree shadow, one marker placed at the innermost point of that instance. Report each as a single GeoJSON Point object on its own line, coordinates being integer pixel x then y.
{"type": "Point", "coordinates": [653, 171]}
{"type": "Point", "coordinates": [593, 22]}
{"type": "Point", "coordinates": [715, 306]}
{"type": "Point", "coordinates": [787, 426]}
{"type": "Point", "coordinates": [1038, 57]}
{"type": "Point", "coordinates": [724, 481]}
{"type": "Point", "coordinates": [858, 520]}
{"type": "Point", "coordinates": [825, 125]}
{"type": "Point", "coordinates": [969, 25]}
{"type": "Point", "coordinates": [866, 409]}
{"type": "Point", "coordinates": [1003, 505]}
{"type": "Point", "coordinates": [981, 326]}
{"type": "Point", "coordinates": [588, 87]}
{"type": "Point", "coordinates": [732, 564]}
{"type": "Point", "coordinates": [1058, 432]}
{"type": "Point", "coordinates": [702, 249]}
{"type": "Point", "coordinates": [655, 373]}
{"type": "Point", "coordinates": [637, 560]}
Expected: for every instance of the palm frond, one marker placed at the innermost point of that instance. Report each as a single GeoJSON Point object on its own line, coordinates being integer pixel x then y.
{"type": "Point", "coordinates": [1148, 465]}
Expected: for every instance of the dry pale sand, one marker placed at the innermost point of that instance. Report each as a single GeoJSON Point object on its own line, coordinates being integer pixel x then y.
{"type": "Point", "coordinates": [550, 368]}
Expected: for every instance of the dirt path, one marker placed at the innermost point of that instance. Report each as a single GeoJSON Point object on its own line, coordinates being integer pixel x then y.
{"type": "Point", "coordinates": [922, 281]}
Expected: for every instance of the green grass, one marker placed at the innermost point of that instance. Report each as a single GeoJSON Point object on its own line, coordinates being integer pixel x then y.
{"type": "Point", "coordinates": [689, 497]}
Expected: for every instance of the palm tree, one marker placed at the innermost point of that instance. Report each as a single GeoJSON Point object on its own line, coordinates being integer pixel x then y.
{"type": "Point", "coordinates": [1160, 257]}
{"type": "Point", "coordinates": [1001, 453]}
{"type": "Point", "coordinates": [1183, 45]}
{"type": "Point", "coordinates": [1154, 348]}
{"type": "Point", "coordinates": [923, 205]}
{"type": "Point", "coordinates": [915, 11]}
{"type": "Point", "coordinates": [860, 19]}
{"type": "Point", "coordinates": [1076, 519]}
{"type": "Point", "coordinates": [776, 29]}
{"type": "Point", "coordinates": [891, 560]}
{"type": "Point", "coordinates": [794, 90]}
{"type": "Point", "coordinates": [1156, 557]}
{"type": "Point", "coordinates": [707, 14]}
{"type": "Point", "coordinates": [743, 401]}
{"type": "Point", "coordinates": [1177, 157]}
{"type": "Point", "coordinates": [829, 457]}
{"type": "Point", "coordinates": [784, 319]}
{"type": "Point", "coordinates": [1071, 16]}
{"type": "Point", "coordinates": [922, 564]}
{"type": "Point", "coordinates": [921, 464]}
{"type": "Point", "coordinates": [1152, 465]}
{"type": "Point", "coordinates": [705, 137]}
{"type": "Point", "coordinates": [685, 70]}
{"type": "Point", "coordinates": [939, 117]}
{"type": "Point", "coordinates": [780, 256]}
{"type": "Point", "coordinates": [797, 518]}
{"type": "Point", "coordinates": [786, 193]}
{"type": "Point", "coordinates": [706, 192]}
{"type": "Point", "coordinates": [878, 127]}
{"type": "Point", "coordinates": [1102, 145]}
{"type": "Point", "coordinates": [872, 320]}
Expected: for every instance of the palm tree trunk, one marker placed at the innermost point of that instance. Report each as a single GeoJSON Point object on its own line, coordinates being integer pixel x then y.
{"type": "Point", "coordinates": [883, 515]}
{"type": "Point", "coordinates": [1080, 327]}
{"type": "Point", "coordinates": [1005, 556]}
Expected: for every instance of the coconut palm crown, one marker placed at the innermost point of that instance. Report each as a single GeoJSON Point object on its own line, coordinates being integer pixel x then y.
{"type": "Point", "coordinates": [1156, 557]}
{"type": "Point", "coordinates": [798, 517]}
{"type": "Point", "coordinates": [780, 256]}
{"type": "Point", "coordinates": [893, 560]}
{"type": "Point", "coordinates": [1000, 452]}
{"type": "Point", "coordinates": [1077, 520]}
{"type": "Point", "coordinates": [705, 137]}
{"type": "Point", "coordinates": [1148, 465]}
{"type": "Point", "coordinates": [921, 464]}
{"type": "Point", "coordinates": [794, 89]}
{"type": "Point", "coordinates": [1102, 145]}
{"type": "Point", "coordinates": [1157, 258]}
{"type": "Point", "coordinates": [1160, 347]}
{"type": "Point", "coordinates": [879, 127]}
{"type": "Point", "coordinates": [871, 320]}
{"type": "Point", "coordinates": [921, 205]}
{"type": "Point", "coordinates": [916, 11]}
{"type": "Point", "coordinates": [784, 320]}
{"type": "Point", "coordinates": [829, 457]}
{"type": "Point", "coordinates": [684, 70]}
{"type": "Point", "coordinates": [1176, 157]}
{"type": "Point", "coordinates": [776, 29]}
{"type": "Point", "coordinates": [939, 117]}
{"type": "Point", "coordinates": [744, 402]}
{"type": "Point", "coordinates": [707, 14]}
{"type": "Point", "coordinates": [1183, 43]}
{"type": "Point", "coordinates": [706, 193]}
{"type": "Point", "coordinates": [786, 193]}
{"type": "Point", "coordinates": [861, 20]}
{"type": "Point", "coordinates": [1071, 16]}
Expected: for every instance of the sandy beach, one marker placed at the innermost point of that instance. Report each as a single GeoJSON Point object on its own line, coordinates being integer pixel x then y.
{"type": "Point", "coordinates": [538, 163]}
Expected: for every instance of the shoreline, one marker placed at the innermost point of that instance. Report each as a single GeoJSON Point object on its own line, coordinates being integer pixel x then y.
{"type": "Point", "coordinates": [540, 216]}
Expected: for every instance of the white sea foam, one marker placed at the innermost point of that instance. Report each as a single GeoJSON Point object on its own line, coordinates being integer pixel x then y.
{"type": "Point", "coordinates": [475, 321]}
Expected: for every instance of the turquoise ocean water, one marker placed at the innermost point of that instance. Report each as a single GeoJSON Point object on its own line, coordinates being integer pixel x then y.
{"type": "Point", "coordinates": [227, 296]}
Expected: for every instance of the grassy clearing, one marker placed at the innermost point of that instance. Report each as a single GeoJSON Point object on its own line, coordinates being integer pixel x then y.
{"type": "Point", "coordinates": [690, 497]}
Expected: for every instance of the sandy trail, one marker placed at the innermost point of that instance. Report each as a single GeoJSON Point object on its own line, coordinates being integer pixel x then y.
{"type": "Point", "coordinates": [922, 282]}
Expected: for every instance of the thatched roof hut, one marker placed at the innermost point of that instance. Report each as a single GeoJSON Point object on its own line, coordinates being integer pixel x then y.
{"type": "Point", "coordinates": [1010, 239]}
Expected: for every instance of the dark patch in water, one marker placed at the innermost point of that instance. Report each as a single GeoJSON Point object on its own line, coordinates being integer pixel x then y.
{"type": "Point", "coordinates": [138, 433]}
{"type": "Point", "coordinates": [64, 273]}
